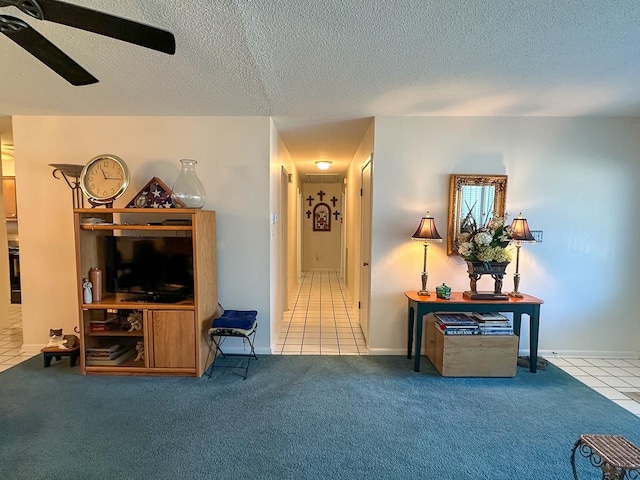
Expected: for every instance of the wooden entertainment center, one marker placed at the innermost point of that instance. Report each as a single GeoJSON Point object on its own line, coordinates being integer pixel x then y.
{"type": "Point", "coordinates": [173, 334]}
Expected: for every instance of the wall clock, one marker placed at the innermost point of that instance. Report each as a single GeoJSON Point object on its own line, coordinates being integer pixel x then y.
{"type": "Point", "coordinates": [103, 179]}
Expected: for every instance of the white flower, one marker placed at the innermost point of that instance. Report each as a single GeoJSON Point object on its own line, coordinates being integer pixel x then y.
{"type": "Point", "coordinates": [486, 244]}
{"type": "Point", "coordinates": [483, 238]}
{"type": "Point", "coordinates": [496, 223]}
{"type": "Point", "coordinates": [465, 248]}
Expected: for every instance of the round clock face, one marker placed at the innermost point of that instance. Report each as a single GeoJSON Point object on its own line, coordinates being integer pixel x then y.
{"type": "Point", "coordinates": [104, 178]}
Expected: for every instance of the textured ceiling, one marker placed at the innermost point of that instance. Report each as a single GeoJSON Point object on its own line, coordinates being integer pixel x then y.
{"type": "Point", "coordinates": [322, 67]}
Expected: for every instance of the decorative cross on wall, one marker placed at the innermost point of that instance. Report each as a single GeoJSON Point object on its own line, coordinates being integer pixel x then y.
{"type": "Point", "coordinates": [336, 214]}
{"type": "Point", "coordinates": [310, 200]}
{"type": "Point", "coordinates": [321, 194]}
{"type": "Point", "coordinates": [308, 213]}
{"type": "Point", "coordinates": [334, 200]}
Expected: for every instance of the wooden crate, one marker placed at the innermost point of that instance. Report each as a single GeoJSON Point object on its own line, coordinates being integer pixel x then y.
{"type": "Point", "coordinates": [470, 355]}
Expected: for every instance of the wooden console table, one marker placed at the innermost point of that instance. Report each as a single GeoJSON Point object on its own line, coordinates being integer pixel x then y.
{"type": "Point", "coordinates": [419, 306]}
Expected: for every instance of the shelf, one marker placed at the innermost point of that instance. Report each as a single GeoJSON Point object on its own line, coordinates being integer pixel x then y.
{"type": "Point", "coordinates": [126, 364]}
{"type": "Point", "coordinates": [118, 302]}
{"type": "Point", "coordinates": [104, 305]}
{"type": "Point", "coordinates": [154, 228]}
{"type": "Point", "coordinates": [165, 211]}
{"type": "Point", "coordinates": [116, 333]}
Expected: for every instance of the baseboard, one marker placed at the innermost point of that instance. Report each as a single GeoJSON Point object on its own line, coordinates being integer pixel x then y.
{"type": "Point", "coordinates": [36, 347]}
{"type": "Point", "coordinates": [388, 351]}
{"type": "Point", "coordinates": [541, 353]}
{"type": "Point", "coordinates": [227, 349]}
{"type": "Point", "coordinates": [585, 354]}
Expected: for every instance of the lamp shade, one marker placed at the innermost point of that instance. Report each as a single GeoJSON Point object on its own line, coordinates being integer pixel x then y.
{"type": "Point", "coordinates": [519, 230]}
{"type": "Point", "coordinates": [427, 230]}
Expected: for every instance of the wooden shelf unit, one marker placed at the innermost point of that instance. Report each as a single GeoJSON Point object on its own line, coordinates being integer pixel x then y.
{"type": "Point", "coordinates": [174, 334]}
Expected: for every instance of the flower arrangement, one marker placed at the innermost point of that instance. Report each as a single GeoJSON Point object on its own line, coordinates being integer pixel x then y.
{"type": "Point", "coordinates": [486, 243]}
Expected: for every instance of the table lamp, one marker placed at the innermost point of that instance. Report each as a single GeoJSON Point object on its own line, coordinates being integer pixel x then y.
{"type": "Point", "coordinates": [426, 232]}
{"type": "Point", "coordinates": [519, 231]}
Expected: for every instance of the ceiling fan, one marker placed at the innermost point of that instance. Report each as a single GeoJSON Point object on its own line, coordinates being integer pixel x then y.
{"type": "Point", "coordinates": [79, 17]}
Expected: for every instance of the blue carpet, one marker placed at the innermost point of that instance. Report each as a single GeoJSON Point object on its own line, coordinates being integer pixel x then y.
{"type": "Point", "coordinates": [299, 417]}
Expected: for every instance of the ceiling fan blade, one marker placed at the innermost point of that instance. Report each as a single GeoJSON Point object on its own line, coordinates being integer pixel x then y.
{"type": "Point", "coordinates": [45, 51]}
{"type": "Point", "coordinates": [108, 25]}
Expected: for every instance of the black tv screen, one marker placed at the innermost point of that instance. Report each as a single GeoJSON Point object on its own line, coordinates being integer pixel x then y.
{"type": "Point", "coordinates": [151, 266]}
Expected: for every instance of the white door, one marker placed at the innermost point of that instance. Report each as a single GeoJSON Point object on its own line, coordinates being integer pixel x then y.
{"type": "Point", "coordinates": [299, 223]}
{"type": "Point", "coordinates": [365, 247]}
{"type": "Point", "coordinates": [284, 236]}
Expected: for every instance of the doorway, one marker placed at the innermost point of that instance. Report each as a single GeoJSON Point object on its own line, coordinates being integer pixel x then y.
{"type": "Point", "coordinates": [321, 318]}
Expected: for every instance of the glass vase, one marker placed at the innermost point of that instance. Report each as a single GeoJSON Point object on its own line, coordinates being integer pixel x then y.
{"type": "Point", "coordinates": [188, 191]}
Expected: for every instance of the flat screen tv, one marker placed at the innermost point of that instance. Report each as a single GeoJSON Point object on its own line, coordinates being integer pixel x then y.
{"type": "Point", "coordinates": [153, 269]}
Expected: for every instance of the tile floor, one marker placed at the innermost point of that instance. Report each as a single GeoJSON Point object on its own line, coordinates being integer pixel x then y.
{"type": "Point", "coordinates": [321, 319]}
{"type": "Point", "coordinates": [11, 352]}
{"type": "Point", "coordinates": [611, 377]}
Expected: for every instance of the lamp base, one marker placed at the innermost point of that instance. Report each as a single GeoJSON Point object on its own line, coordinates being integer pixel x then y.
{"type": "Point", "coordinates": [484, 295]}
{"type": "Point", "coordinates": [424, 293]}
{"type": "Point", "coordinates": [515, 294]}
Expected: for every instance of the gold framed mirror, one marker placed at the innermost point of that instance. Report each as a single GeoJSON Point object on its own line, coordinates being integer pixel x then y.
{"type": "Point", "coordinates": [473, 200]}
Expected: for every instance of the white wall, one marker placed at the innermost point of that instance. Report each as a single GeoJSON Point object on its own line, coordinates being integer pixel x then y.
{"type": "Point", "coordinates": [283, 263]}
{"type": "Point", "coordinates": [575, 179]}
{"type": "Point", "coordinates": [233, 164]}
{"type": "Point", "coordinates": [321, 249]}
{"type": "Point", "coordinates": [353, 216]}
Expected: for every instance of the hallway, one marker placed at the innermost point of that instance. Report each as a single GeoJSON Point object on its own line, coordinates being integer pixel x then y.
{"type": "Point", "coordinates": [321, 319]}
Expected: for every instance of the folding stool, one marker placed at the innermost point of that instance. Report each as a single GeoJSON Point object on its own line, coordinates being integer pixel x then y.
{"type": "Point", "coordinates": [233, 323]}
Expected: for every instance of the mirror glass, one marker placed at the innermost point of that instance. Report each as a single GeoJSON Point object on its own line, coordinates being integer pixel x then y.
{"type": "Point", "coordinates": [473, 201]}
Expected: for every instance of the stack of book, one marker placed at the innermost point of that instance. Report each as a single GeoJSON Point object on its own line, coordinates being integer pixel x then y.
{"type": "Point", "coordinates": [105, 325]}
{"type": "Point", "coordinates": [456, 324]}
{"type": "Point", "coordinates": [493, 323]}
{"type": "Point", "coordinates": [109, 355]}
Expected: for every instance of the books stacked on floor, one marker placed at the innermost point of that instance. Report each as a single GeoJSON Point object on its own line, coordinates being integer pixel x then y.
{"type": "Point", "coordinates": [456, 324]}
{"type": "Point", "coordinates": [493, 323]}
{"type": "Point", "coordinates": [109, 355]}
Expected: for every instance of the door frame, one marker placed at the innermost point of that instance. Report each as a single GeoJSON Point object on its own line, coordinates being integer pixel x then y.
{"type": "Point", "coordinates": [366, 210]}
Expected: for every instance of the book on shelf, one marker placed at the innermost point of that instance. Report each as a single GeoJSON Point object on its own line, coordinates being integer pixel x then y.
{"type": "Point", "coordinates": [103, 325]}
{"type": "Point", "coordinates": [109, 352]}
{"type": "Point", "coordinates": [496, 330]}
{"type": "Point", "coordinates": [104, 348]}
{"type": "Point", "coordinates": [110, 318]}
{"type": "Point", "coordinates": [456, 323]}
{"type": "Point", "coordinates": [123, 356]}
{"type": "Point", "coordinates": [489, 317]}
{"type": "Point", "coordinates": [459, 331]}
{"type": "Point", "coordinates": [455, 319]}
{"type": "Point", "coordinates": [104, 355]}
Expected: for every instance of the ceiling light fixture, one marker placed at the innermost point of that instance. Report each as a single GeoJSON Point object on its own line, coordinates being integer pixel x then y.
{"type": "Point", "coordinates": [323, 164]}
